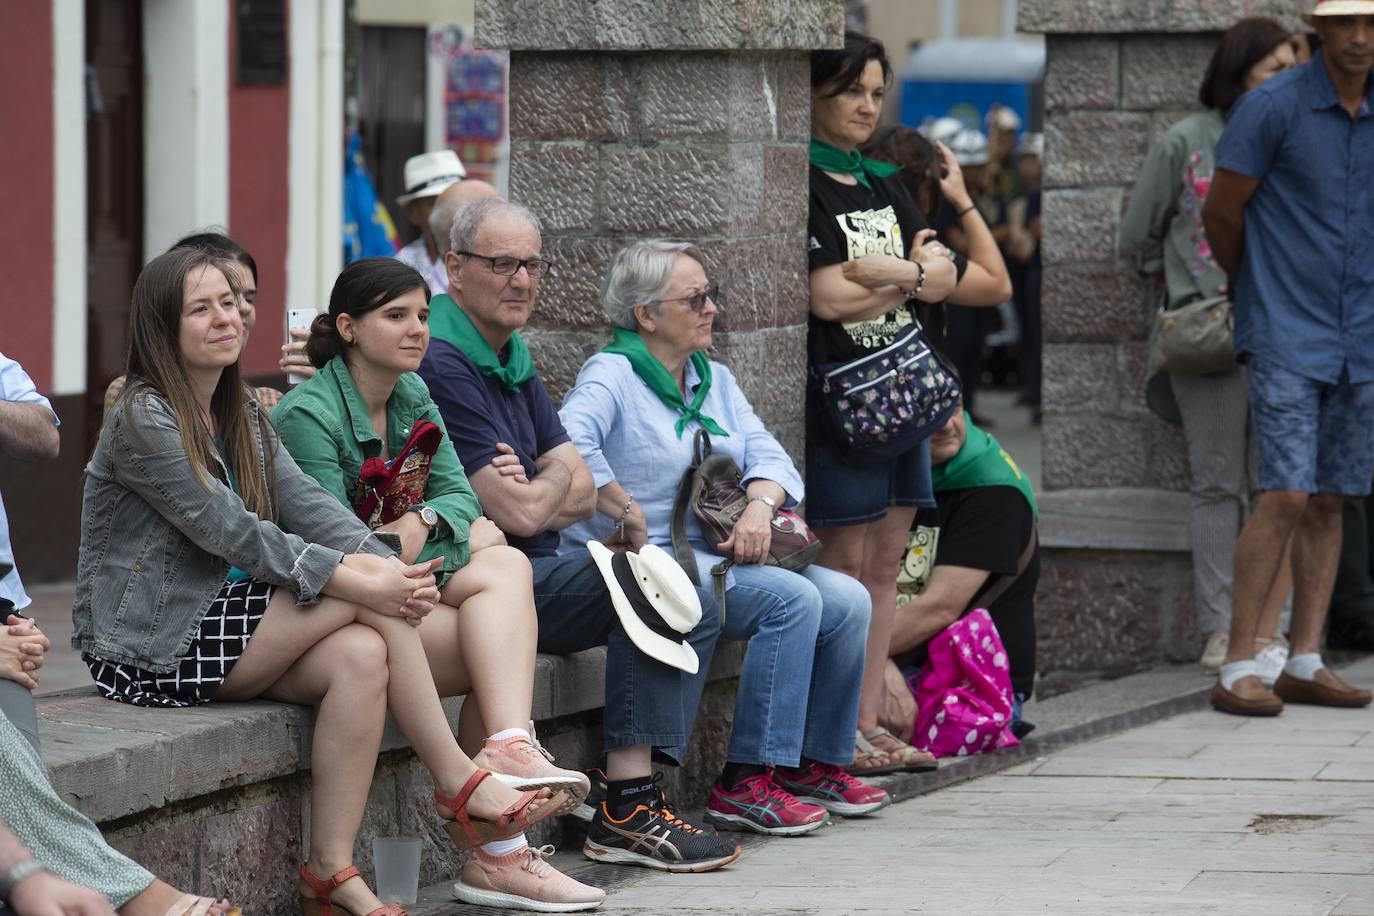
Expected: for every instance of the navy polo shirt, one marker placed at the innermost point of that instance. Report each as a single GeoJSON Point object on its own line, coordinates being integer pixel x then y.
{"type": "Point", "coordinates": [1305, 295]}
{"type": "Point", "coordinates": [480, 412]}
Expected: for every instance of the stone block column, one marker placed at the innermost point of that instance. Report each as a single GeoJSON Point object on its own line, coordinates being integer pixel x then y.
{"type": "Point", "coordinates": [1116, 595]}
{"type": "Point", "coordinates": [632, 119]}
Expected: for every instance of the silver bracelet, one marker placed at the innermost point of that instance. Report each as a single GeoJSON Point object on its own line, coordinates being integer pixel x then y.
{"type": "Point", "coordinates": [10, 879]}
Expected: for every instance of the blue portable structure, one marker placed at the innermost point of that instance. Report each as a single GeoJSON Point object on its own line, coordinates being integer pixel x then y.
{"type": "Point", "coordinates": [964, 77]}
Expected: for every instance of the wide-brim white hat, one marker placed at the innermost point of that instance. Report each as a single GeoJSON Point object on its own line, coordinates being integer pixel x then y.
{"type": "Point", "coordinates": [1341, 8]}
{"type": "Point", "coordinates": [428, 174]}
{"type": "Point", "coordinates": [656, 603]}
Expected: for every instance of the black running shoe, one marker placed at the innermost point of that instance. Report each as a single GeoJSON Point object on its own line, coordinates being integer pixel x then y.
{"type": "Point", "coordinates": [656, 838]}
{"type": "Point", "coordinates": [595, 797]}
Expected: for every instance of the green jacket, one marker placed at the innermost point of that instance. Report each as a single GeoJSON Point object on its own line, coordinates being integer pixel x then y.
{"type": "Point", "coordinates": [324, 425]}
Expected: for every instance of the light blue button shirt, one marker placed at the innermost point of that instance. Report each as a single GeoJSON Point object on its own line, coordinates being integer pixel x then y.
{"type": "Point", "coordinates": [15, 385]}
{"type": "Point", "coordinates": [626, 434]}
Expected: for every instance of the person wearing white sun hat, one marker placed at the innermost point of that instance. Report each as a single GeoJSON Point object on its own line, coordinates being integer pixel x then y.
{"type": "Point", "coordinates": [426, 177]}
{"type": "Point", "coordinates": [1290, 206]}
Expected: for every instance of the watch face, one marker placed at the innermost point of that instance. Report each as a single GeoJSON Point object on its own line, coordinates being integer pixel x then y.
{"type": "Point", "coordinates": [429, 516]}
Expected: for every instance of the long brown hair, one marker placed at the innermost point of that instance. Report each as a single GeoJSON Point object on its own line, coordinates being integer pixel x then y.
{"type": "Point", "coordinates": [156, 362]}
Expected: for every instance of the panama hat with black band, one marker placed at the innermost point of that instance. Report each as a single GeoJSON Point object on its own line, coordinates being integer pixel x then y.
{"type": "Point", "coordinates": [656, 603]}
{"type": "Point", "coordinates": [1341, 8]}
{"type": "Point", "coordinates": [428, 174]}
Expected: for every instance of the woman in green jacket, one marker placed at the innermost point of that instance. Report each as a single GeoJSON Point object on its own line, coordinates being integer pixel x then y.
{"type": "Point", "coordinates": [1162, 236]}
{"type": "Point", "coordinates": [366, 429]}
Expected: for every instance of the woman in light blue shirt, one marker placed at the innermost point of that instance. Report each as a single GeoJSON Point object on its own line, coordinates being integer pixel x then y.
{"type": "Point", "coordinates": [633, 414]}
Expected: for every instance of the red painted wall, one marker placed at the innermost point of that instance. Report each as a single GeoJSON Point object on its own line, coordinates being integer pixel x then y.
{"type": "Point", "coordinates": [258, 130]}
{"type": "Point", "coordinates": [26, 187]}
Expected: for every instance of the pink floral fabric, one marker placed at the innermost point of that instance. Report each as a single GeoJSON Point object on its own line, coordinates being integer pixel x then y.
{"type": "Point", "coordinates": [963, 691]}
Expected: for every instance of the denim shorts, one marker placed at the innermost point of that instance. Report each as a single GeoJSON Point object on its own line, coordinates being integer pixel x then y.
{"type": "Point", "coordinates": [840, 493]}
{"type": "Point", "coordinates": [1313, 437]}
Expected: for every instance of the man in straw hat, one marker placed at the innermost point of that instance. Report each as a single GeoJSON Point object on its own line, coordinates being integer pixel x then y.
{"type": "Point", "coordinates": [1289, 217]}
{"type": "Point", "coordinates": [659, 630]}
{"type": "Point", "coordinates": [427, 176]}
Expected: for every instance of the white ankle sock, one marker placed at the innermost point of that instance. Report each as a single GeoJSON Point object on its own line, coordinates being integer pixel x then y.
{"type": "Point", "coordinates": [1304, 667]}
{"type": "Point", "coordinates": [1234, 671]}
{"type": "Point", "coordinates": [504, 847]}
{"type": "Point", "coordinates": [505, 733]}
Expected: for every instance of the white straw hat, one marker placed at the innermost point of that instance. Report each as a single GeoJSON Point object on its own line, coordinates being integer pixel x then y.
{"type": "Point", "coordinates": [1341, 8]}
{"type": "Point", "coordinates": [655, 601]}
{"type": "Point", "coordinates": [428, 174]}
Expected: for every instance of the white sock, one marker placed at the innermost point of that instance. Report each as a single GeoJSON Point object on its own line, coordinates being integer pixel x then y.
{"type": "Point", "coordinates": [1234, 671]}
{"type": "Point", "coordinates": [504, 847]}
{"type": "Point", "coordinates": [505, 733]}
{"type": "Point", "coordinates": [1304, 667]}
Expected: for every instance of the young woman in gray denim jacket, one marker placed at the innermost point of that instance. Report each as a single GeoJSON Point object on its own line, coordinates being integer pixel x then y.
{"type": "Point", "coordinates": [212, 568]}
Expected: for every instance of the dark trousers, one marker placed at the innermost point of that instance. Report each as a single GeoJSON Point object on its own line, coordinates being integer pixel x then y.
{"type": "Point", "coordinates": [647, 702]}
{"type": "Point", "coordinates": [1351, 619]}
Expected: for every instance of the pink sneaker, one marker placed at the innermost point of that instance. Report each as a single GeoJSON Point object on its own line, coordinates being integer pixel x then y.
{"type": "Point", "coordinates": [522, 880]}
{"type": "Point", "coordinates": [758, 804]}
{"type": "Point", "coordinates": [523, 764]}
{"type": "Point", "coordinates": [833, 789]}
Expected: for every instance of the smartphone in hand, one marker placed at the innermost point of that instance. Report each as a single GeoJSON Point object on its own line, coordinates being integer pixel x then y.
{"type": "Point", "coordinates": [302, 319]}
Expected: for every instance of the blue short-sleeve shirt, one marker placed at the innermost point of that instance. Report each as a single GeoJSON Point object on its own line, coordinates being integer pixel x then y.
{"type": "Point", "coordinates": [480, 412]}
{"type": "Point", "coordinates": [1305, 294]}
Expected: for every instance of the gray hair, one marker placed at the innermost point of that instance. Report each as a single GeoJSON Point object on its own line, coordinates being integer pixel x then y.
{"type": "Point", "coordinates": [638, 275]}
{"type": "Point", "coordinates": [441, 220]}
{"type": "Point", "coordinates": [471, 218]}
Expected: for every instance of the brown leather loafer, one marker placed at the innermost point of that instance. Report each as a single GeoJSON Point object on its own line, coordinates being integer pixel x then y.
{"type": "Point", "coordinates": [1326, 690]}
{"type": "Point", "coordinates": [1224, 700]}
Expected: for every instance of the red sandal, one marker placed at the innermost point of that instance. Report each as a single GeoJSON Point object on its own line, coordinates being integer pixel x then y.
{"type": "Point", "coordinates": [467, 831]}
{"type": "Point", "coordinates": [320, 905]}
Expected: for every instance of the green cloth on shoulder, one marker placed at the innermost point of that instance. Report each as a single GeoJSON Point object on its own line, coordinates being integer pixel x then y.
{"type": "Point", "coordinates": [829, 158]}
{"type": "Point", "coordinates": [661, 382]}
{"type": "Point", "coordinates": [449, 323]}
{"type": "Point", "coordinates": [982, 462]}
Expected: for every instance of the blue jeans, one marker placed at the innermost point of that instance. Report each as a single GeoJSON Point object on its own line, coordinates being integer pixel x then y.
{"type": "Point", "coordinates": [799, 688]}
{"type": "Point", "coordinates": [647, 702]}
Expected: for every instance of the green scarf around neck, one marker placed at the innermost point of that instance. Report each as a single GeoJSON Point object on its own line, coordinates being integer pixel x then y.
{"type": "Point", "coordinates": [982, 462]}
{"type": "Point", "coordinates": [449, 323]}
{"type": "Point", "coordinates": [661, 382]}
{"type": "Point", "coordinates": [829, 158]}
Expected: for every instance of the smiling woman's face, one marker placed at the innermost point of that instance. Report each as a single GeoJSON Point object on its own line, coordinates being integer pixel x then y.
{"type": "Point", "coordinates": [211, 330]}
{"type": "Point", "coordinates": [849, 118]}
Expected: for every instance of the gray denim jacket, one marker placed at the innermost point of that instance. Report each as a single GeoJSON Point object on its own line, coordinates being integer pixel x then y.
{"type": "Point", "coordinates": [157, 544]}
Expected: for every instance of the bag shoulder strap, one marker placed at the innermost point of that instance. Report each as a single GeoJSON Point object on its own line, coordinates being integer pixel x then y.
{"type": "Point", "coordinates": [682, 549]}
{"type": "Point", "coordinates": [1005, 582]}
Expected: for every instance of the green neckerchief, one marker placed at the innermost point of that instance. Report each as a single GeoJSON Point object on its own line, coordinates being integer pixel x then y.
{"type": "Point", "coordinates": [449, 323]}
{"type": "Point", "coordinates": [661, 382]}
{"type": "Point", "coordinates": [982, 462]}
{"type": "Point", "coordinates": [829, 158]}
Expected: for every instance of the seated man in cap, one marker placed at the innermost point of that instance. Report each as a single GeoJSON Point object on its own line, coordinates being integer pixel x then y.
{"type": "Point", "coordinates": [532, 483]}
{"type": "Point", "coordinates": [427, 176]}
{"type": "Point", "coordinates": [977, 549]}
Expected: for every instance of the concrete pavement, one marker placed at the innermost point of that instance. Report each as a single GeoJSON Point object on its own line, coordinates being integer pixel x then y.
{"type": "Point", "coordinates": [1200, 813]}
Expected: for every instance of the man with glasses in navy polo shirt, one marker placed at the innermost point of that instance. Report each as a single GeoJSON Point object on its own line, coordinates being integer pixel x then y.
{"type": "Point", "coordinates": [1290, 217]}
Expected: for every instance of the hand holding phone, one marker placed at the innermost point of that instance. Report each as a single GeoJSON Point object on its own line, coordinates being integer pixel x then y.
{"type": "Point", "coordinates": [298, 320]}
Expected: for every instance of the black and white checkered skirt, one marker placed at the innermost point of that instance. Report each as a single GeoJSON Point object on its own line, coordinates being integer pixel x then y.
{"type": "Point", "coordinates": [223, 635]}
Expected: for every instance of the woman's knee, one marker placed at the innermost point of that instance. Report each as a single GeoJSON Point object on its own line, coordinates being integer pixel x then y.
{"type": "Point", "coordinates": [710, 612]}
{"type": "Point", "coordinates": [503, 566]}
{"type": "Point", "coordinates": [358, 654]}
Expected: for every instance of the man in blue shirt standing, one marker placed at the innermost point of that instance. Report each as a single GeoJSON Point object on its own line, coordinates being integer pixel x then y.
{"type": "Point", "coordinates": [1290, 216]}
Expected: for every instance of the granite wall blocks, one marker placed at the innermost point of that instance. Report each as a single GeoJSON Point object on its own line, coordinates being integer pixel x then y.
{"type": "Point", "coordinates": [567, 96]}
{"type": "Point", "coordinates": [1093, 450]}
{"type": "Point", "coordinates": [1080, 378]}
{"type": "Point", "coordinates": [1094, 147]}
{"type": "Point", "coordinates": [680, 189]}
{"type": "Point", "coordinates": [559, 355]}
{"type": "Point", "coordinates": [1163, 72]}
{"type": "Point", "coordinates": [1105, 301]}
{"type": "Point", "coordinates": [1116, 17]}
{"type": "Point", "coordinates": [1082, 72]}
{"type": "Point", "coordinates": [558, 181]}
{"type": "Point", "coordinates": [570, 297]}
{"type": "Point", "coordinates": [1080, 224]}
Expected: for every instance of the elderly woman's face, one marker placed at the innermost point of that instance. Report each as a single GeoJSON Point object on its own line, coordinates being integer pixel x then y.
{"type": "Point", "coordinates": [675, 322]}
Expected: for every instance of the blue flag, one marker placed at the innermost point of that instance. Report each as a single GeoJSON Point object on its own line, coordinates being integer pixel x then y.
{"type": "Point", "coordinates": [367, 230]}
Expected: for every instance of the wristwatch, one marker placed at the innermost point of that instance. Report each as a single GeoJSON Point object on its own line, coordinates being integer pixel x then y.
{"type": "Point", "coordinates": [768, 501]}
{"type": "Point", "coordinates": [427, 515]}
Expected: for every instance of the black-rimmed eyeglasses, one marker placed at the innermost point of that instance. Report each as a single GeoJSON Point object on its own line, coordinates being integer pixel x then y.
{"type": "Point", "coordinates": [508, 267]}
{"type": "Point", "coordinates": [697, 301]}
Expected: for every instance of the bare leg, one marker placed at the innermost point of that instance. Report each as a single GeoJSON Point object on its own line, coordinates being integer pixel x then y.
{"type": "Point", "coordinates": [1259, 549]}
{"type": "Point", "coordinates": [1316, 551]}
{"type": "Point", "coordinates": [156, 899]}
{"type": "Point", "coordinates": [629, 762]}
{"type": "Point", "coordinates": [1278, 597]}
{"type": "Point", "coordinates": [488, 644]}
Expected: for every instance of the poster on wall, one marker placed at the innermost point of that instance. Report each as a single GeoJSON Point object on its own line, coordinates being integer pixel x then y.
{"type": "Point", "coordinates": [472, 103]}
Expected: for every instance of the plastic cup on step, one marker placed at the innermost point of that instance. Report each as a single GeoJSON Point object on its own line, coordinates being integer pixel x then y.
{"type": "Point", "coordinates": [397, 861]}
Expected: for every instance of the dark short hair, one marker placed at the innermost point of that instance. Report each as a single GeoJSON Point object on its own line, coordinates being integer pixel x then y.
{"type": "Point", "coordinates": [217, 242]}
{"type": "Point", "coordinates": [1245, 44]}
{"type": "Point", "coordinates": [834, 71]}
{"type": "Point", "coordinates": [918, 157]}
{"type": "Point", "coordinates": [364, 286]}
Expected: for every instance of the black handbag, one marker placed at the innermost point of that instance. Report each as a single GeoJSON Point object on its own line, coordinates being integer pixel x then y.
{"type": "Point", "coordinates": [879, 406]}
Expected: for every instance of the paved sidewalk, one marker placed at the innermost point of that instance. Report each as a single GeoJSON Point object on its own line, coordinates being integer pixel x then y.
{"type": "Point", "coordinates": [1199, 813]}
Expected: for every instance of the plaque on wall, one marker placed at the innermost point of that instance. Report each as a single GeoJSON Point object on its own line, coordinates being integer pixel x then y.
{"type": "Point", "coordinates": [261, 42]}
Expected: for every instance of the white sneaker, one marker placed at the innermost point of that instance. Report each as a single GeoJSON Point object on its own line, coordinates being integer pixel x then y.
{"type": "Point", "coordinates": [1270, 660]}
{"type": "Point", "coordinates": [1214, 653]}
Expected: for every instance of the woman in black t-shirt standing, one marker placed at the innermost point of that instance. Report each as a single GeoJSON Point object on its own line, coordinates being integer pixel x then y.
{"type": "Point", "coordinates": [870, 261]}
